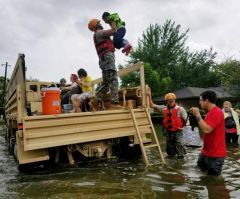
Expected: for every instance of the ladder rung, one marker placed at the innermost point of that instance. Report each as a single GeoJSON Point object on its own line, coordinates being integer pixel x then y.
{"type": "Point", "coordinates": [150, 164]}
{"type": "Point", "coordinates": [145, 126]}
{"type": "Point", "coordinates": [148, 132]}
{"type": "Point", "coordinates": [150, 146]}
{"type": "Point", "coordinates": [146, 140]}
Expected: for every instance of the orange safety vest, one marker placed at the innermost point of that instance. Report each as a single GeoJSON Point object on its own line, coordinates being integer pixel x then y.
{"type": "Point", "coordinates": [172, 122]}
{"type": "Point", "coordinates": [104, 46]}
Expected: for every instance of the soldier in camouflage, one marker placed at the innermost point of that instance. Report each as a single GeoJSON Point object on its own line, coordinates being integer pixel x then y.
{"type": "Point", "coordinates": [105, 50]}
{"type": "Point", "coordinates": [174, 119]}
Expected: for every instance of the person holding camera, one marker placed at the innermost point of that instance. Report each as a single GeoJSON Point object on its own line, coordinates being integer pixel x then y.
{"type": "Point", "coordinates": [213, 152]}
{"type": "Point", "coordinates": [173, 121]}
{"type": "Point", "coordinates": [232, 128]}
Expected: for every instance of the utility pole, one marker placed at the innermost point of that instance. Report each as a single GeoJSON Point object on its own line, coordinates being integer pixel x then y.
{"type": "Point", "coordinates": [4, 89]}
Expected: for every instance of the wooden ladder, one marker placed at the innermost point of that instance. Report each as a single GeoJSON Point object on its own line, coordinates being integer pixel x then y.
{"type": "Point", "coordinates": [153, 144]}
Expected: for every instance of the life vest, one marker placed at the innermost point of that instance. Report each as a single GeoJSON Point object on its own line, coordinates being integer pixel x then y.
{"type": "Point", "coordinates": [104, 46]}
{"type": "Point", "coordinates": [172, 122]}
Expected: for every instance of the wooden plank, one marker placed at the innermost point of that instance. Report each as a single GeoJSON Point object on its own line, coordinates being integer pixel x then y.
{"type": "Point", "coordinates": [13, 107]}
{"type": "Point", "coordinates": [78, 118]}
{"type": "Point", "coordinates": [120, 73]}
{"type": "Point", "coordinates": [143, 87]}
{"type": "Point", "coordinates": [46, 142]}
{"type": "Point", "coordinates": [96, 124]}
{"type": "Point", "coordinates": [81, 128]}
{"type": "Point", "coordinates": [81, 125]}
{"type": "Point", "coordinates": [73, 120]}
{"type": "Point", "coordinates": [82, 114]}
{"type": "Point", "coordinates": [11, 100]}
{"type": "Point", "coordinates": [150, 146]}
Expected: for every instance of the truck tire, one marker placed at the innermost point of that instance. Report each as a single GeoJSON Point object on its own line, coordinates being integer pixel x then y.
{"type": "Point", "coordinates": [15, 154]}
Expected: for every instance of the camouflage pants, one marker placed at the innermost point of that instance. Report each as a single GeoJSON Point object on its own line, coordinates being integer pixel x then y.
{"type": "Point", "coordinates": [110, 82]}
{"type": "Point", "coordinates": [174, 144]}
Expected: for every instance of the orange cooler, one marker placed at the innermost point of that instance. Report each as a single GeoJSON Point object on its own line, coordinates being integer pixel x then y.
{"type": "Point", "coordinates": [51, 102]}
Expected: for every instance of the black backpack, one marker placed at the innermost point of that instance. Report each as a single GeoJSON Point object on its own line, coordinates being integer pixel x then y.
{"type": "Point", "coordinates": [230, 123]}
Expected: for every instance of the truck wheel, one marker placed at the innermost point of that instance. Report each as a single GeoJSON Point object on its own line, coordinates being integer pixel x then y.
{"type": "Point", "coordinates": [11, 144]}
{"type": "Point", "coordinates": [6, 134]}
{"type": "Point", "coordinates": [21, 167]}
{"type": "Point", "coordinates": [15, 153]}
{"type": "Point", "coordinates": [47, 164]}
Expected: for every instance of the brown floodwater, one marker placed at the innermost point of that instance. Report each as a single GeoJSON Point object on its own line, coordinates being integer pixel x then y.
{"type": "Point", "coordinates": [122, 179]}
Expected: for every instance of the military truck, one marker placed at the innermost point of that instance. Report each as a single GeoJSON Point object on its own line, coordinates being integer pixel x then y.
{"type": "Point", "coordinates": [36, 139]}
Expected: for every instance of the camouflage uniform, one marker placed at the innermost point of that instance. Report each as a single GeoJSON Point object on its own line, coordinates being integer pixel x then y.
{"type": "Point", "coordinates": [109, 74]}
{"type": "Point", "coordinates": [174, 144]}
{"type": "Point", "coordinates": [110, 79]}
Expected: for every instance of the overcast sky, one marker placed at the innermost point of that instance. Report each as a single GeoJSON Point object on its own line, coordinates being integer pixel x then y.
{"type": "Point", "coordinates": [54, 37]}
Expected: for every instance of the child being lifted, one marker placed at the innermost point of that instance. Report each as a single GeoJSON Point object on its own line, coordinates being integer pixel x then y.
{"type": "Point", "coordinates": [116, 23]}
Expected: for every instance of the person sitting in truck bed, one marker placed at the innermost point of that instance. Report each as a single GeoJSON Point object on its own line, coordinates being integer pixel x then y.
{"type": "Point", "coordinates": [61, 85]}
{"type": "Point", "coordinates": [71, 89]}
{"type": "Point", "coordinates": [85, 83]}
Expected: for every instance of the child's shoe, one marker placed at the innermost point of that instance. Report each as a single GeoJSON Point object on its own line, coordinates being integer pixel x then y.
{"type": "Point", "coordinates": [127, 49]}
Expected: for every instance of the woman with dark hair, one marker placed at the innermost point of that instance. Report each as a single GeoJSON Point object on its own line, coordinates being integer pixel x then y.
{"type": "Point", "coordinates": [85, 83]}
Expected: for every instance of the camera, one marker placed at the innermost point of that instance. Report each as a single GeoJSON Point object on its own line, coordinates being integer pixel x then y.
{"type": "Point", "coordinates": [190, 112]}
{"type": "Point", "coordinates": [192, 119]}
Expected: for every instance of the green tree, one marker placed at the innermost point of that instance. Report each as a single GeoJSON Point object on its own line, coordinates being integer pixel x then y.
{"type": "Point", "coordinates": [164, 49]}
{"type": "Point", "coordinates": [228, 73]}
{"type": "Point", "coordinates": [196, 69]}
{"type": "Point", "coordinates": [161, 47]}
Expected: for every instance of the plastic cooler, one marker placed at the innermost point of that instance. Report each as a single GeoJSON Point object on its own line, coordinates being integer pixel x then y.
{"type": "Point", "coordinates": [51, 101]}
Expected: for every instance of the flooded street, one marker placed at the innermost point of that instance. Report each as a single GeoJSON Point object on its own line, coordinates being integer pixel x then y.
{"type": "Point", "coordinates": [122, 179]}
